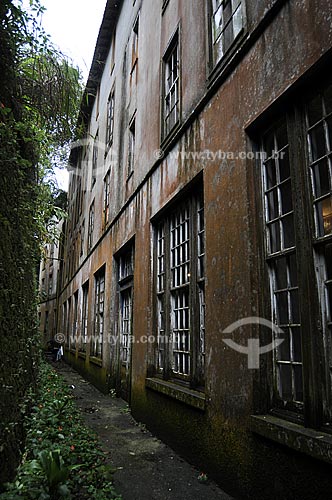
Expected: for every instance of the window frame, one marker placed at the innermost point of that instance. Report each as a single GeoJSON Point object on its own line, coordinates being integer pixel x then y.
{"type": "Point", "coordinates": [97, 337]}
{"type": "Point", "coordinates": [131, 146]}
{"type": "Point", "coordinates": [215, 64]}
{"type": "Point", "coordinates": [91, 225]}
{"type": "Point", "coordinates": [164, 298]}
{"type": "Point", "coordinates": [84, 318]}
{"type": "Point", "coordinates": [173, 44]}
{"type": "Point", "coordinates": [316, 410]}
{"type": "Point", "coordinates": [106, 204]}
{"type": "Point", "coordinates": [110, 118]}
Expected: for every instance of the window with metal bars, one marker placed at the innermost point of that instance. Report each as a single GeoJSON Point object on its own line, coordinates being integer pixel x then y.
{"type": "Point", "coordinates": [179, 282]}
{"type": "Point", "coordinates": [84, 321]}
{"type": "Point", "coordinates": [297, 191]}
{"type": "Point", "coordinates": [318, 122]}
{"type": "Point", "coordinates": [125, 284]}
{"type": "Point", "coordinates": [91, 225]}
{"type": "Point", "coordinates": [110, 118]}
{"type": "Point", "coordinates": [171, 91]}
{"type": "Point", "coordinates": [106, 211]}
{"type": "Point", "coordinates": [227, 24]}
{"type": "Point", "coordinates": [73, 339]}
{"type": "Point", "coordinates": [99, 300]}
{"type": "Point", "coordinates": [131, 147]}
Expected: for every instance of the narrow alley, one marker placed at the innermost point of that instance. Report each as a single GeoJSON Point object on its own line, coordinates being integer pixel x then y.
{"type": "Point", "coordinates": [146, 469]}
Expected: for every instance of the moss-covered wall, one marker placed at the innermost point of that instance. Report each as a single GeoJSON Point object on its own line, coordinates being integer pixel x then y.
{"type": "Point", "coordinates": [18, 260]}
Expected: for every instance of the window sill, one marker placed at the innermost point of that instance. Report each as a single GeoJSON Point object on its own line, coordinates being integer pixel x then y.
{"type": "Point", "coordinates": [96, 361]}
{"type": "Point", "coordinates": [183, 394]}
{"type": "Point", "coordinates": [309, 441]}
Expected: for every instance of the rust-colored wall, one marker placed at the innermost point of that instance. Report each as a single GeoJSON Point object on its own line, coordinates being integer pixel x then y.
{"type": "Point", "coordinates": [283, 40]}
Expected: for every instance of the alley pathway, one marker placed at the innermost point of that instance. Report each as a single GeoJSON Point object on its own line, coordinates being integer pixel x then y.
{"type": "Point", "coordinates": [147, 469]}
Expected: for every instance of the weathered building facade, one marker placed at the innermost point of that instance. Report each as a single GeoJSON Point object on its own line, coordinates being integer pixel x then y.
{"type": "Point", "coordinates": [50, 273]}
{"type": "Point", "coordinates": [200, 200]}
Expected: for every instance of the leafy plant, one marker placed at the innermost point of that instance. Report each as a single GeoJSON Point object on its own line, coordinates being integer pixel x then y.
{"type": "Point", "coordinates": [63, 457]}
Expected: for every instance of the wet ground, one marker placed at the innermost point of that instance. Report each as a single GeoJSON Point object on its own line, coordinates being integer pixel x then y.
{"type": "Point", "coordinates": [146, 468]}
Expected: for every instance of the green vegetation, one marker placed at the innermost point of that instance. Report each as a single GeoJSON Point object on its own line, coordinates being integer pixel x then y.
{"type": "Point", "coordinates": [62, 458]}
{"type": "Point", "coordinates": [40, 94]}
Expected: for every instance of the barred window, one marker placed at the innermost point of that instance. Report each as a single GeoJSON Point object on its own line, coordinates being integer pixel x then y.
{"type": "Point", "coordinates": [180, 304]}
{"type": "Point", "coordinates": [297, 191]}
{"type": "Point", "coordinates": [91, 225]}
{"type": "Point", "coordinates": [106, 211]}
{"type": "Point", "coordinates": [99, 300]}
{"type": "Point", "coordinates": [125, 283]}
{"type": "Point", "coordinates": [73, 339]}
{"type": "Point", "coordinates": [281, 259]}
{"type": "Point", "coordinates": [84, 322]}
{"type": "Point", "coordinates": [131, 147]}
{"type": "Point", "coordinates": [110, 119]}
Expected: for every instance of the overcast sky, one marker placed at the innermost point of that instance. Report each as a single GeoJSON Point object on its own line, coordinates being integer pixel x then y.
{"type": "Point", "coordinates": [74, 27]}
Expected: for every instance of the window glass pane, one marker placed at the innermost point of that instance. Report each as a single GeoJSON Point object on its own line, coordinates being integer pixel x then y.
{"type": "Point", "coordinates": [324, 215]}
{"type": "Point", "coordinates": [328, 261]}
{"type": "Point", "coordinates": [329, 129]}
{"type": "Point", "coordinates": [284, 168]}
{"type": "Point", "coordinates": [296, 340]}
{"type": "Point", "coordinates": [298, 382]}
{"type": "Point", "coordinates": [315, 110]}
{"type": "Point", "coordinates": [281, 273]}
{"type": "Point", "coordinates": [286, 197]}
{"type": "Point", "coordinates": [284, 348]}
{"type": "Point", "coordinates": [321, 178]}
{"type": "Point", "coordinates": [281, 135]}
{"type": "Point", "coordinates": [269, 144]}
{"type": "Point", "coordinates": [317, 141]}
{"type": "Point", "coordinates": [274, 232]}
{"type": "Point", "coordinates": [270, 172]}
{"type": "Point", "coordinates": [328, 100]}
{"type": "Point", "coordinates": [295, 306]}
{"type": "Point", "coordinates": [288, 231]}
{"type": "Point", "coordinates": [292, 270]}
{"type": "Point", "coordinates": [272, 204]}
{"type": "Point", "coordinates": [282, 308]}
{"type": "Point", "coordinates": [237, 17]}
{"type": "Point", "coordinates": [285, 389]}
